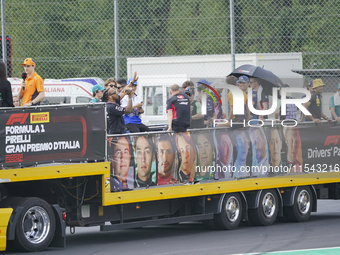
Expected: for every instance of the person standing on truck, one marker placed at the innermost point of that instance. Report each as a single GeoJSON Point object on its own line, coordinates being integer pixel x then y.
{"type": "Point", "coordinates": [187, 84]}
{"type": "Point", "coordinates": [197, 118]}
{"type": "Point", "coordinates": [187, 150]}
{"type": "Point", "coordinates": [334, 105]}
{"type": "Point", "coordinates": [178, 110]}
{"type": "Point", "coordinates": [97, 91]}
{"type": "Point", "coordinates": [262, 96]}
{"type": "Point", "coordinates": [314, 105]}
{"type": "Point", "coordinates": [145, 159]}
{"type": "Point", "coordinates": [166, 154]}
{"type": "Point", "coordinates": [32, 88]}
{"type": "Point", "coordinates": [116, 124]}
{"type": "Point", "coordinates": [133, 122]}
{"type": "Point", "coordinates": [6, 99]}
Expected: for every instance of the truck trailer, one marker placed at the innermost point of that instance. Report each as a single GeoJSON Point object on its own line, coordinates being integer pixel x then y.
{"type": "Point", "coordinates": [59, 168]}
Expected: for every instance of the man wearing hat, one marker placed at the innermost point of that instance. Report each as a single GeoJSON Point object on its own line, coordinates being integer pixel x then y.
{"type": "Point", "coordinates": [314, 105]}
{"type": "Point", "coordinates": [32, 88]}
{"type": "Point", "coordinates": [133, 122]}
{"type": "Point", "coordinates": [334, 105]}
{"type": "Point", "coordinates": [97, 91]}
{"type": "Point", "coordinates": [197, 118]}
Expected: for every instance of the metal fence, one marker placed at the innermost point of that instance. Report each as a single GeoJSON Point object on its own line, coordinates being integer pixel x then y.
{"type": "Point", "coordinates": [75, 38]}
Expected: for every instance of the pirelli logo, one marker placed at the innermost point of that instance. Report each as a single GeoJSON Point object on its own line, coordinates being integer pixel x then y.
{"type": "Point", "coordinates": [41, 117]}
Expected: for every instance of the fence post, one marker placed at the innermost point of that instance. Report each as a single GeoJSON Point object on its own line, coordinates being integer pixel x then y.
{"type": "Point", "coordinates": [3, 31]}
{"type": "Point", "coordinates": [232, 35]}
{"type": "Point", "coordinates": [116, 40]}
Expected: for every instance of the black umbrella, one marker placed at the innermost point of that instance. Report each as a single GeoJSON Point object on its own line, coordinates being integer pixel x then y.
{"type": "Point", "coordinates": [267, 78]}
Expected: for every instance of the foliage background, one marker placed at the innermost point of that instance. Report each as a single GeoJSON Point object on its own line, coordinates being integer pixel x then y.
{"type": "Point", "coordinates": [75, 38]}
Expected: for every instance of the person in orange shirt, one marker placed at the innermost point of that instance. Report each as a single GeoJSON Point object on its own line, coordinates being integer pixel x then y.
{"type": "Point", "coordinates": [32, 88]}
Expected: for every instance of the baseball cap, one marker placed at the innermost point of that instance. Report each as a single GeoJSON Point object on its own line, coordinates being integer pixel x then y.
{"type": "Point", "coordinates": [203, 82]}
{"type": "Point", "coordinates": [29, 62]}
{"type": "Point", "coordinates": [97, 87]}
{"type": "Point", "coordinates": [189, 91]}
{"type": "Point", "coordinates": [129, 81]}
{"type": "Point", "coordinates": [243, 78]}
{"type": "Point", "coordinates": [318, 83]}
{"type": "Point", "coordinates": [310, 83]}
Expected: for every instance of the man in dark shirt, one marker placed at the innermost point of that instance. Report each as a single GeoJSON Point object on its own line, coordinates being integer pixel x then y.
{"type": "Point", "coordinates": [197, 118]}
{"type": "Point", "coordinates": [116, 124]}
{"type": "Point", "coordinates": [262, 97]}
{"type": "Point", "coordinates": [178, 110]}
{"type": "Point", "coordinates": [314, 105]}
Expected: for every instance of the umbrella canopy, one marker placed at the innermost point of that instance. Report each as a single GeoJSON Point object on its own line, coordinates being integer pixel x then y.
{"type": "Point", "coordinates": [267, 78]}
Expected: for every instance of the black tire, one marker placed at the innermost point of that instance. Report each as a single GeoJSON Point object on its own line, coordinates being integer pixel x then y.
{"type": "Point", "coordinates": [302, 206]}
{"type": "Point", "coordinates": [267, 210]}
{"type": "Point", "coordinates": [35, 227]}
{"type": "Point", "coordinates": [231, 212]}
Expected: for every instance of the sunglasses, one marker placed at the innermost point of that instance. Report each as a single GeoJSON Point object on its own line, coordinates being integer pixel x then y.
{"type": "Point", "coordinates": [111, 85]}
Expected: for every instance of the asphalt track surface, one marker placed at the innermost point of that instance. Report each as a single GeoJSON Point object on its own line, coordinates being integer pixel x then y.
{"type": "Point", "coordinates": [320, 232]}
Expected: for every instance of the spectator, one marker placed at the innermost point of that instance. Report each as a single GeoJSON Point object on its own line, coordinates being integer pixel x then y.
{"type": "Point", "coordinates": [291, 109]}
{"type": "Point", "coordinates": [116, 124]}
{"type": "Point", "coordinates": [145, 157]}
{"type": "Point", "coordinates": [232, 80]}
{"type": "Point", "coordinates": [210, 116]}
{"type": "Point", "coordinates": [314, 105]}
{"type": "Point", "coordinates": [133, 122]}
{"type": "Point", "coordinates": [32, 88]}
{"type": "Point", "coordinates": [111, 82]}
{"type": "Point", "coordinates": [244, 82]}
{"type": "Point", "coordinates": [334, 105]}
{"type": "Point", "coordinates": [310, 89]}
{"type": "Point", "coordinates": [16, 101]}
{"type": "Point", "coordinates": [121, 83]}
{"type": "Point", "coordinates": [178, 110]}
{"type": "Point", "coordinates": [197, 118]}
{"type": "Point", "coordinates": [6, 99]}
{"type": "Point", "coordinates": [97, 91]}
{"type": "Point", "coordinates": [187, 84]}
{"type": "Point", "coordinates": [218, 86]}
{"type": "Point", "coordinates": [262, 96]}
{"type": "Point", "coordinates": [167, 165]}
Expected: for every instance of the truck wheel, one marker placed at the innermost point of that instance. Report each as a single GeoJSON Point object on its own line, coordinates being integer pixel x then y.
{"type": "Point", "coordinates": [231, 213]}
{"type": "Point", "coordinates": [35, 227]}
{"type": "Point", "coordinates": [302, 207]}
{"type": "Point", "coordinates": [267, 210]}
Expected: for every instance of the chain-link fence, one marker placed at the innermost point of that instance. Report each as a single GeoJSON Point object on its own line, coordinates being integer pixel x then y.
{"type": "Point", "coordinates": [76, 38]}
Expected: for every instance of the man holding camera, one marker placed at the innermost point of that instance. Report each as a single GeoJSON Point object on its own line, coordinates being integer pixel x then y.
{"type": "Point", "coordinates": [32, 87]}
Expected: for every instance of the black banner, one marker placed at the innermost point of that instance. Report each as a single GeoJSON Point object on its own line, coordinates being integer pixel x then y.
{"type": "Point", "coordinates": [52, 134]}
{"type": "Point", "coordinates": [203, 155]}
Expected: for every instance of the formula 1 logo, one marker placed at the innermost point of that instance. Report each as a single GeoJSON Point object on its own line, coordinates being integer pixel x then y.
{"type": "Point", "coordinates": [332, 139]}
{"type": "Point", "coordinates": [17, 118]}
